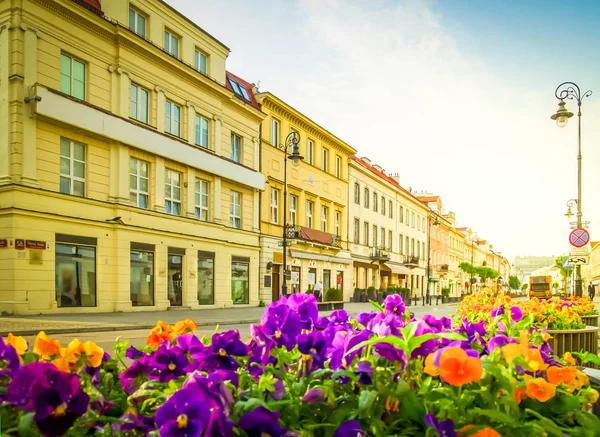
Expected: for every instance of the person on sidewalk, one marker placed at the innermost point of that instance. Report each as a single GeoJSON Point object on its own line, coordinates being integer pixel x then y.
{"type": "Point", "coordinates": [318, 291]}
{"type": "Point", "coordinates": [592, 291]}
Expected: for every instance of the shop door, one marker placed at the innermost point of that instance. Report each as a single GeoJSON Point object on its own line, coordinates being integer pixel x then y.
{"type": "Point", "coordinates": [326, 280]}
{"type": "Point", "coordinates": [175, 280]}
{"type": "Point", "coordinates": [275, 284]}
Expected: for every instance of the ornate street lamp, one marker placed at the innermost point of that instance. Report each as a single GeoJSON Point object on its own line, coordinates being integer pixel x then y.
{"type": "Point", "coordinates": [436, 222]}
{"type": "Point", "coordinates": [570, 90]}
{"type": "Point", "coordinates": [570, 204]}
{"type": "Point", "coordinates": [290, 146]}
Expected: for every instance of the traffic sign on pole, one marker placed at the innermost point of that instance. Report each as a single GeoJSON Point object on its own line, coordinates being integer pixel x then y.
{"type": "Point", "coordinates": [579, 237]}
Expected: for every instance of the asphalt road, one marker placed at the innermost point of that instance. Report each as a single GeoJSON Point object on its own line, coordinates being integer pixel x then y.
{"type": "Point", "coordinates": [106, 340]}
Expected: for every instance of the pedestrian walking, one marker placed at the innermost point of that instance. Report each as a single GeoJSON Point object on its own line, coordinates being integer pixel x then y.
{"type": "Point", "coordinates": [592, 291]}
{"type": "Point", "coordinates": [318, 291]}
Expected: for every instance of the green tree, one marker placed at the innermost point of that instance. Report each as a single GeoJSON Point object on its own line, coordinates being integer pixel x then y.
{"type": "Point", "coordinates": [469, 270]}
{"type": "Point", "coordinates": [514, 282]}
{"type": "Point", "coordinates": [524, 287]}
{"type": "Point", "coordinates": [565, 273]}
{"type": "Point", "coordinates": [486, 273]}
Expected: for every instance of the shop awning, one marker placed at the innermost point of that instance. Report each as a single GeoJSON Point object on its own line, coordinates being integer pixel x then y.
{"type": "Point", "coordinates": [399, 269]}
{"type": "Point", "coordinates": [319, 257]}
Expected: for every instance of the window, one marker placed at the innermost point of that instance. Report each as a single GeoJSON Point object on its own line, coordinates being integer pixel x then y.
{"type": "Point", "coordinates": [338, 167]}
{"type": "Point", "coordinates": [274, 132]}
{"type": "Point", "coordinates": [418, 250]}
{"type": "Point", "coordinates": [173, 119]}
{"type": "Point", "coordinates": [138, 183]}
{"type": "Point", "coordinates": [311, 152]}
{"type": "Point", "coordinates": [367, 198]}
{"type": "Point", "coordinates": [175, 276]}
{"type": "Point", "coordinates": [201, 200]}
{"type": "Point", "coordinates": [325, 159]}
{"type": "Point", "coordinates": [401, 214]}
{"type": "Point", "coordinates": [382, 205]}
{"type": "Point", "coordinates": [75, 273]}
{"type": "Point", "coordinates": [293, 209]}
{"type": "Point", "coordinates": [375, 205]}
{"type": "Point", "coordinates": [72, 77]}
{"type": "Point", "coordinates": [366, 234]}
{"type": "Point", "coordinates": [357, 193]}
{"type": "Point", "coordinates": [407, 222]}
{"type": "Point", "coordinates": [141, 275]}
{"type": "Point", "coordinates": [413, 220]}
{"type": "Point", "coordinates": [309, 213]}
{"type": "Point", "coordinates": [240, 285]}
{"type": "Point", "coordinates": [324, 214]}
{"type": "Point", "coordinates": [72, 168]}
{"type": "Point", "coordinates": [412, 247]}
{"type": "Point", "coordinates": [338, 219]}
{"type": "Point", "coordinates": [383, 238]}
{"type": "Point", "coordinates": [138, 105]}
{"type": "Point", "coordinates": [423, 249]}
{"type": "Point", "coordinates": [406, 246]}
{"type": "Point", "coordinates": [200, 61]}
{"type": "Point", "coordinates": [296, 276]}
{"type": "Point", "coordinates": [239, 89]}
{"type": "Point", "coordinates": [171, 44]}
{"type": "Point", "coordinates": [418, 223]}
{"type": "Point", "coordinates": [274, 206]}
{"type": "Point", "coordinates": [206, 278]}
{"type": "Point", "coordinates": [173, 192]}
{"type": "Point", "coordinates": [423, 224]}
{"type": "Point", "coordinates": [390, 240]}
{"type": "Point", "coordinates": [137, 23]}
{"type": "Point", "coordinates": [236, 148]}
{"type": "Point", "coordinates": [374, 235]}
{"type": "Point", "coordinates": [391, 209]}
{"type": "Point", "coordinates": [235, 210]}
{"type": "Point", "coordinates": [356, 230]}
{"type": "Point", "coordinates": [201, 131]}
{"type": "Point", "coordinates": [401, 244]}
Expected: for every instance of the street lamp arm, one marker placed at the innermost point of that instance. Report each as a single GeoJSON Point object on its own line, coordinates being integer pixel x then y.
{"type": "Point", "coordinates": [570, 90]}
{"type": "Point", "coordinates": [571, 203]}
{"type": "Point", "coordinates": [290, 142]}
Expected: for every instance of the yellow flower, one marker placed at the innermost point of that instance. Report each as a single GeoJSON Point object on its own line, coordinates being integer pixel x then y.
{"type": "Point", "coordinates": [568, 358]}
{"type": "Point", "coordinates": [18, 343]}
{"type": "Point", "coordinates": [93, 353]}
{"type": "Point", "coordinates": [45, 347]}
{"type": "Point", "coordinates": [593, 396]}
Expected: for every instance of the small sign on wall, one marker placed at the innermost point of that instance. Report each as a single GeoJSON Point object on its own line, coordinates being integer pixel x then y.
{"type": "Point", "coordinates": [268, 279]}
{"type": "Point", "coordinates": [3, 243]}
{"type": "Point", "coordinates": [35, 244]}
{"type": "Point", "coordinates": [36, 256]}
{"type": "Point", "coordinates": [20, 244]}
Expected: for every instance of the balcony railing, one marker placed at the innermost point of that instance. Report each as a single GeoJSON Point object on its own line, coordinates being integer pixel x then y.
{"type": "Point", "coordinates": [442, 268]}
{"type": "Point", "coordinates": [380, 254]}
{"type": "Point", "coordinates": [410, 261]}
{"type": "Point", "coordinates": [310, 235]}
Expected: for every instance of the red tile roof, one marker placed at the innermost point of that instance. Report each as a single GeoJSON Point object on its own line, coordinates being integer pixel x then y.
{"type": "Point", "coordinates": [246, 85]}
{"type": "Point", "coordinates": [594, 243]}
{"type": "Point", "coordinates": [92, 5]}
{"type": "Point", "coordinates": [428, 199]}
{"type": "Point", "coordinates": [461, 229]}
{"type": "Point", "coordinates": [482, 242]}
{"type": "Point", "coordinates": [382, 175]}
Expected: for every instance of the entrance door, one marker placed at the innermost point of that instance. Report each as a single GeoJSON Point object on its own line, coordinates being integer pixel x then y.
{"type": "Point", "coordinates": [326, 280]}
{"type": "Point", "coordinates": [275, 284]}
{"type": "Point", "coordinates": [175, 280]}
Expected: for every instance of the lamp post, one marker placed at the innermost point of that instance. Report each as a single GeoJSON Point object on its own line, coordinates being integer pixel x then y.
{"type": "Point", "coordinates": [570, 90]}
{"type": "Point", "coordinates": [432, 214]}
{"type": "Point", "coordinates": [474, 241]}
{"type": "Point", "coordinates": [290, 144]}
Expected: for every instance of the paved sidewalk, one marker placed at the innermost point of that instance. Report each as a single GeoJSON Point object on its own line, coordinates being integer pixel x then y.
{"type": "Point", "coordinates": [99, 322]}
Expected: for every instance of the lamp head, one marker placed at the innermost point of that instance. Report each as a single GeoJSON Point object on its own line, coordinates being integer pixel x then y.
{"type": "Point", "coordinates": [295, 156]}
{"type": "Point", "coordinates": [569, 214]}
{"type": "Point", "coordinates": [562, 115]}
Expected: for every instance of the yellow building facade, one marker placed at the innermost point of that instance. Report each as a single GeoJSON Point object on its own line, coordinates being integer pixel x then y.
{"type": "Point", "coordinates": [316, 210]}
{"type": "Point", "coordinates": [129, 162]}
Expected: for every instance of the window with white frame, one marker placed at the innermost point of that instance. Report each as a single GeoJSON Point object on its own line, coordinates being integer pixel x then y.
{"type": "Point", "coordinates": [375, 204]}
{"type": "Point", "coordinates": [236, 148]}
{"type": "Point", "coordinates": [401, 214]}
{"type": "Point", "coordinates": [200, 61]}
{"type": "Point", "coordinates": [391, 209]}
{"type": "Point", "coordinates": [201, 200]}
{"type": "Point", "coordinates": [201, 131]}
{"type": "Point", "coordinates": [171, 44]}
{"type": "Point", "coordinates": [173, 192]}
{"type": "Point", "coordinates": [137, 22]}
{"type": "Point", "coordinates": [324, 214]}
{"type": "Point", "coordinates": [418, 250]}
{"type": "Point", "coordinates": [401, 244]}
{"type": "Point", "coordinates": [423, 224]}
{"type": "Point", "coordinates": [357, 193]}
{"type": "Point", "coordinates": [356, 230]}
{"type": "Point", "coordinates": [366, 234]}
{"type": "Point", "coordinates": [275, 132]}
{"type": "Point", "coordinates": [235, 210]}
{"type": "Point", "coordinates": [413, 220]}
{"type": "Point", "coordinates": [72, 76]}
{"type": "Point", "coordinates": [390, 240]}
{"type": "Point", "coordinates": [367, 198]}
{"type": "Point", "coordinates": [383, 238]}
{"type": "Point", "coordinates": [407, 245]}
{"type": "Point", "coordinates": [338, 219]}
{"type": "Point", "coordinates": [310, 206]}
{"type": "Point", "coordinates": [274, 205]}
{"type": "Point", "coordinates": [293, 209]}
{"type": "Point", "coordinates": [338, 167]}
{"type": "Point", "coordinates": [72, 167]}
{"type": "Point", "coordinates": [407, 222]}
{"type": "Point", "coordinates": [375, 235]}
{"type": "Point", "coordinates": [138, 183]}
{"type": "Point", "coordinates": [173, 118]}
{"type": "Point", "coordinates": [412, 247]}
{"type": "Point", "coordinates": [418, 223]}
{"type": "Point", "coordinates": [311, 152]}
{"type": "Point", "coordinates": [138, 103]}
{"type": "Point", "coordinates": [382, 205]}
{"type": "Point", "coordinates": [325, 159]}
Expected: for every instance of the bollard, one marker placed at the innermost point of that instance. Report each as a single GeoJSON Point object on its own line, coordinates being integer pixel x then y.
{"type": "Point", "coordinates": [437, 300]}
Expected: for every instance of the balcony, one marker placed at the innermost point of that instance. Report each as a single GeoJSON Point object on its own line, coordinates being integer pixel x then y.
{"type": "Point", "coordinates": [443, 268]}
{"type": "Point", "coordinates": [313, 236]}
{"type": "Point", "coordinates": [380, 254]}
{"type": "Point", "coordinates": [410, 261]}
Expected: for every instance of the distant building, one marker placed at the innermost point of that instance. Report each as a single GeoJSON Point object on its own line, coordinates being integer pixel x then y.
{"type": "Point", "coordinates": [523, 266]}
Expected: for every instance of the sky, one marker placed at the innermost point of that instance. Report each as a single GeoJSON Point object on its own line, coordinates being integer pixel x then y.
{"type": "Point", "coordinates": [454, 95]}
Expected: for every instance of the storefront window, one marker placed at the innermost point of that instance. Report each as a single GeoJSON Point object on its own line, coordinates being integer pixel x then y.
{"type": "Point", "coordinates": [326, 280]}
{"type": "Point", "coordinates": [142, 278]}
{"type": "Point", "coordinates": [312, 279]}
{"type": "Point", "coordinates": [175, 280]}
{"type": "Point", "coordinates": [340, 280]}
{"type": "Point", "coordinates": [75, 276]}
{"type": "Point", "coordinates": [240, 289]}
{"type": "Point", "coordinates": [295, 279]}
{"type": "Point", "coordinates": [206, 282]}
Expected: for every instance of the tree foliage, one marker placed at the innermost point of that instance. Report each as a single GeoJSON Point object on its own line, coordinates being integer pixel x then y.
{"type": "Point", "coordinates": [565, 273]}
{"type": "Point", "coordinates": [486, 273]}
{"type": "Point", "coordinates": [514, 282]}
{"type": "Point", "coordinates": [467, 268]}
{"type": "Point", "coordinates": [524, 287]}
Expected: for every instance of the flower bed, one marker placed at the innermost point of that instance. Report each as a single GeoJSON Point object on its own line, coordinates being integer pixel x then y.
{"type": "Point", "coordinates": [384, 373]}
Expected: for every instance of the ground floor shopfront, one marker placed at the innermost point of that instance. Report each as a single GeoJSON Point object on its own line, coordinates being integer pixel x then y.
{"type": "Point", "coordinates": [382, 275]}
{"type": "Point", "coordinates": [55, 264]}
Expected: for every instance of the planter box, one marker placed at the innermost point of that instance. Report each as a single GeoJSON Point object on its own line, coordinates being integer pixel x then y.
{"type": "Point", "coordinates": [574, 340]}
{"type": "Point", "coordinates": [363, 297]}
{"type": "Point", "coordinates": [590, 320]}
{"type": "Point", "coordinates": [372, 295]}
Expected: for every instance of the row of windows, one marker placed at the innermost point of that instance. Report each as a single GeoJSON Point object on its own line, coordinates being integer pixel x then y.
{"type": "Point", "coordinates": [404, 216]}
{"type": "Point", "coordinates": [73, 83]}
{"type": "Point", "coordinates": [310, 210]}
{"type": "Point", "coordinates": [406, 245]}
{"type": "Point", "coordinates": [73, 181]}
{"type": "Point", "coordinates": [310, 150]}
{"type": "Point", "coordinates": [138, 23]}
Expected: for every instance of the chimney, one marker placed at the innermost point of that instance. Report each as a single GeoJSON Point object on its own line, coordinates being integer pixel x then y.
{"type": "Point", "coordinates": [254, 89]}
{"type": "Point", "coordinates": [378, 167]}
{"type": "Point", "coordinates": [367, 160]}
{"type": "Point", "coordinates": [396, 177]}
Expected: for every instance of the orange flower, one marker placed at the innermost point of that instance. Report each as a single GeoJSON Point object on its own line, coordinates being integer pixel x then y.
{"type": "Point", "coordinates": [93, 353]}
{"type": "Point", "coordinates": [581, 379]}
{"type": "Point", "coordinates": [520, 393]}
{"type": "Point", "coordinates": [457, 368]}
{"type": "Point", "coordinates": [486, 432]}
{"type": "Point", "coordinates": [45, 347]}
{"type": "Point", "coordinates": [541, 390]}
{"type": "Point", "coordinates": [159, 333]}
{"type": "Point", "coordinates": [62, 364]}
{"type": "Point", "coordinates": [568, 358]}
{"type": "Point", "coordinates": [185, 326]}
{"type": "Point", "coordinates": [87, 353]}
{"type": "Point", "coordinates": [430, 368]}
{"type": "Point", "coordinates": [18, 343]}
{"type": "Point", "coordinates": [532, 356]}
{"type": "Point", "coordinates": [566, 375]}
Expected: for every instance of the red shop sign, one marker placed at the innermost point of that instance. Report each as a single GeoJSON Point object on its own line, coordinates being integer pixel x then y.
{"type": "Point", "coordinates": [20, 244]}
{"type": "Point", "coordinates": [3, 243]}
{"type": "Point", "coordinates": [34, 244]}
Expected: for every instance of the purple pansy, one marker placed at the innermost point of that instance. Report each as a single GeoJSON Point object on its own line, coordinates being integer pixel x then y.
{"type": "Point", "coordinates": [315, 346]}
{"type": "Point", "coordinates": [516, 313]}
{"type": "Point", "coordinates": [133, 353]}
{"type": "Point", "coordinates": [19, 389]}
{"type": "Point", "coordinates": [365, 317]}
{"type": "Point", "coordinates": [260, 422]}
{"type": "Point", "coordinates": [306, 307]}
{"type": "Point", "coordinates": [217, 398]}
{"type": "Point", "coordinates": [135, 375]}
{"type": "Point", "coordinates": [394, 304]}
{"type": "Point", "coordinates": [497, 311]}
{"type": "Point", "coordinates": [185, 414]}
{"type": "Point", "coordinates": [315, 395]}
{"type": "Point", "coordinates": [351, 428]}
{"type": "Point", "coordinates": [344, 342]}
{"type": "Point", "coordinates": [390, 353]}
{"type": "Point", "coordinates": [437, 325]}
{"type": "Point", "coordinates": [9, 355]}
{"type": "Point", "coordinates": [445, 428]}
{"type": "Point", "coordinates": [221, 350]}
{"type": "Point", "coordinates": [364, 370]}
{"type": "Point", "coordinates": [169, 361]}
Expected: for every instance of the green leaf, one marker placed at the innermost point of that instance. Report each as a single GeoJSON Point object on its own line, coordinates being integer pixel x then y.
{"type": "Point", "coordinates": [497, 416]}
{"type": "Point", "coordinates": [395, 341]}
{"type": "Point", "coordinates": [563, 404]}
{"type": "Point", "coordinates": [587, 357]}
{"type": "Point", "coordinates": [452, 336]}
{"type": "Point", "coordinates": [365, 401]}
{"type": "Point", "coordinates": [30, 357]}
{"type": "Point", "coordinates": [377, 306]}
{"type": "Point", "coordinates": [415, 342]}
{"type": "Point", "coordinates": [26, 426]}
{"type": "Point", "coordinates": [425, 386]}
{"type": "Point", "coordinates": [412, 408]}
